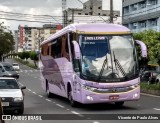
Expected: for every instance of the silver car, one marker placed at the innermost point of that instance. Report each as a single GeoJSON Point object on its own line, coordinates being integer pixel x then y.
{"type": "Point", "coordinates": [11, 95]}
{"type": "Point", "coordinates": [7, 70]}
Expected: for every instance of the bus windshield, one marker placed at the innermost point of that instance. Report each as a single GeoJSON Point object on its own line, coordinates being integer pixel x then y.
{"type": "Point", "coordinates": [108, 57]}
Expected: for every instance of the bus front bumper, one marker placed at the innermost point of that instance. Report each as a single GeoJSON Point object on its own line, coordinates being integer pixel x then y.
{"type": "Point", "coordinates": [89, 97]}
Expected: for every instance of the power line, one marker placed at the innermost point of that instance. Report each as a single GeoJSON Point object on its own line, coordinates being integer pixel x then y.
{"type": "Point", "coordinates": [25, 20]}
{"type": "Point", "coordinates": [32, 15]}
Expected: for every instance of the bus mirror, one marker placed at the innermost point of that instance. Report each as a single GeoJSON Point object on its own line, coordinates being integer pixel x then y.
{"type": "Point", "coordinates": [76, 50]}
{"type": "Point", "coordinates": [143, 48]}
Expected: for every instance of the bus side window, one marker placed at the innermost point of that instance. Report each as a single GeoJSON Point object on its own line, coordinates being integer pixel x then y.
{"type": "Point", "coordinates": [45, 50]}
{"type": "Point", "coordinates": [64, 47]}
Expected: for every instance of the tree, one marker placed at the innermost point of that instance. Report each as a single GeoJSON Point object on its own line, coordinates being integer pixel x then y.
{"type": "Point", "coordinates": [26, 54]}
{"type": "Point", "coordinates": [6, 41]}
{"type": "Point", "coordinates": [34, 57]}
{"type": "Point", "coordinates": [21, 55]}
{"type": "Point", "coordinates": [152, 40]}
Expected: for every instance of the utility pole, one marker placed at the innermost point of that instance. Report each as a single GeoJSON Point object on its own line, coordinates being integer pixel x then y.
{"type": "Point", "coordinates": [64, 12]}
{"type": "Point", "coordinates": [91, 7]}
{"type": "Point", "coordinates": [39, 40]}
{"type": "Point", "coordinates": [111, 11]}
{"type": "Point", "coordinates": [73, 15]}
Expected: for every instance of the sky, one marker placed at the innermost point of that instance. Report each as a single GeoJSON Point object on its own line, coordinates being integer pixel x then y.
{"type": "Point", "coordinates": [39, 7]}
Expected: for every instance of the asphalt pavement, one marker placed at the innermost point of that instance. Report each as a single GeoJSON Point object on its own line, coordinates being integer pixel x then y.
{"type": "Point", "coordinates": [37, 102]}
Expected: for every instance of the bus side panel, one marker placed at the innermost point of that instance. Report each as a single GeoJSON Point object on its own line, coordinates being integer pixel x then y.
{"type": "Point", "coordinates": [50, 73]}
{"type": "Point", "coordinates": [65, 72]}
{"type": "Point", "coordinates": [57, 72]}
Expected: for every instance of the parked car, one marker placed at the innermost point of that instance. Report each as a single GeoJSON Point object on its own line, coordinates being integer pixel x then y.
{"type": "Point", "coordinates": [11, 95]}
{"type": "Point", "coordinates": [16, 66]}
{"type": "Point", "coordinates": [158, 79]}
{"type": "Point", "coordinates": [149, 76]}
{"type": "Point", "coordinates": [7, 70]}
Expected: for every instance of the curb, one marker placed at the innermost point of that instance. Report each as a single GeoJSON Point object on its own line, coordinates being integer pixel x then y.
{"type": "Point", "coordinates": [152, 92]}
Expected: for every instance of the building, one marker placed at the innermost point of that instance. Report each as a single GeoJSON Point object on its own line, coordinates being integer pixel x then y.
{"type": "Point", "coordinates": [91, 13]}
{"type": "Point", "coordinates": [16, 40]}
{"type": "Point", "coordinates": [140, 15]}
{"type": "Point", "coordinates": [31, 37]}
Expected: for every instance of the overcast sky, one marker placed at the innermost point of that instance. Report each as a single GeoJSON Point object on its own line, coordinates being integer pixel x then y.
{"type": "Point", "coordinates": [38, 7]}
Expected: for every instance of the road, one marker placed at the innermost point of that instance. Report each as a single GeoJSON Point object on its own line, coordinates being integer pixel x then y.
{"type": "Point", "coordinates": [36, 102]}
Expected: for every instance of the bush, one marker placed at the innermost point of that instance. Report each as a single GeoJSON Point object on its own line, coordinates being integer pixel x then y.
{"type": "Point", "coordinates": [145, 86]}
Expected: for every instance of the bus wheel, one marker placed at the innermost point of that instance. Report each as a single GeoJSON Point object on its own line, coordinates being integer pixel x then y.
{"type": "Point", "coordinates": [72, 102]}
{"type": "Point", "coordinates": [49, 94]}
{"type": "Point", "coordinates": [119, 103]}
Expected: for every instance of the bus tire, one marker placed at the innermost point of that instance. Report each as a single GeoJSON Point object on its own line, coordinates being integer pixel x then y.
{"type": "Point", "coordinates": [49, 94]}
{"type": "Point", "coordinates": [119, 103]}
{"type": "Point", "coordinates": [70, 97]}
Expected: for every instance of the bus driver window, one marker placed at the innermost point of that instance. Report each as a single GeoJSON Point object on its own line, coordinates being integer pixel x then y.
{"type": "Point", "coordinates": [64, 50]}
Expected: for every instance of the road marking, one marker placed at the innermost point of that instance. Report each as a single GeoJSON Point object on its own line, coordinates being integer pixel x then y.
{"type": "Point", "coordinates": [68, 109]}
{"type": "Point", "coordinates": [21, 84]}
{"type": "Point", "coordinates": [48, 100]}
{"type": "Point", "coordinates": [40, 95]}
{"type": "Point", "coordinates": [34, 92]}
{"type": "Point", "coordinates": [74, 112]}
{"type": "Point", "coordinates": [156, 109]}
{"type": "Point", "coordinates": [95, 122]}
{"type": "Point", "coordinates": [31, 70]}
{"type": "Point", "coordinates": [28, 89]}
{"type": "Point", "coordinates": [53, 102]}
{"type": "Point", "coordinates": [60, 105]}
{"type": "Point", "coordinates": [26, 71]}
{"type": "Point", "coordinates": [150, 95]}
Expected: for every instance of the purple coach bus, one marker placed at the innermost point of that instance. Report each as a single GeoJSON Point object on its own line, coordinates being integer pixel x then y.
{"type": "Point", "coordinates": [92, 63]}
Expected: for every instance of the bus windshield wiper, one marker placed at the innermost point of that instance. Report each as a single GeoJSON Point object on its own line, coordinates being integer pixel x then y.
{"type": "Point", "coordinates": [102, 69]}
{"type": "Point", "coordinates": [119, 65]}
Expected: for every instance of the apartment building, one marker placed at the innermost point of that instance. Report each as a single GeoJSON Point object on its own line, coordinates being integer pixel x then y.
{"type": "Point", "coordinates": [140, 15]}
{"type": "Point", "coordinates": [31, 37]}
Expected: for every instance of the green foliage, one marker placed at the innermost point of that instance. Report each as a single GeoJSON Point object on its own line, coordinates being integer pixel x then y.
{"type": "Point", "coordinates": [6, 40]}
{"type": "Point", "coordinates": [152, 40]}
{"type": "Point", "coordinates": [26, 54]}
{"type": "Point", "coordinates": [145, 86]}
{"type": "Point", "coordinates": [21, 55]}
{"type": "Point", "coordinates": [33, 56]}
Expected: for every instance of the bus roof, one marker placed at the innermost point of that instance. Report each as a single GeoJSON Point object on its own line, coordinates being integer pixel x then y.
{"type": "Point", "coordinates": [92, 28]}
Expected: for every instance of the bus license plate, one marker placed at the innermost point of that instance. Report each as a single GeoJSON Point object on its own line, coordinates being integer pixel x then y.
{"type": "Point", "coordinates": [114, 97]}
{"type": "Point", "coordinates": [5, 103]}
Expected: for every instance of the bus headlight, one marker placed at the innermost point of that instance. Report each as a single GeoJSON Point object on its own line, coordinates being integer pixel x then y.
{"type": "Point", "coordinates": [134, 86]}
{"type": "Point", "coordinates": [89, 88]}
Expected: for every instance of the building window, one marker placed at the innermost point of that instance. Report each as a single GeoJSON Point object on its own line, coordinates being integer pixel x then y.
{"type": "Point", "coordinates": [104, 15]}
{"type": "Point", "coordinates": [142, 24]}
{"type": "Point", "coordinates": [99, 13]}
{"type": "Point", "coordinates": [99, 7]}
{"type": "Point", "coordinates": [79, 13]}
{"type": "Point", "coordinates": [153, 22]}
{"type": "Point", "coordinates": [90, 13]}
{"type": "Point", "coordinates": [86, 13]}
{"type": "Point", "coordinates": [90, 8]}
